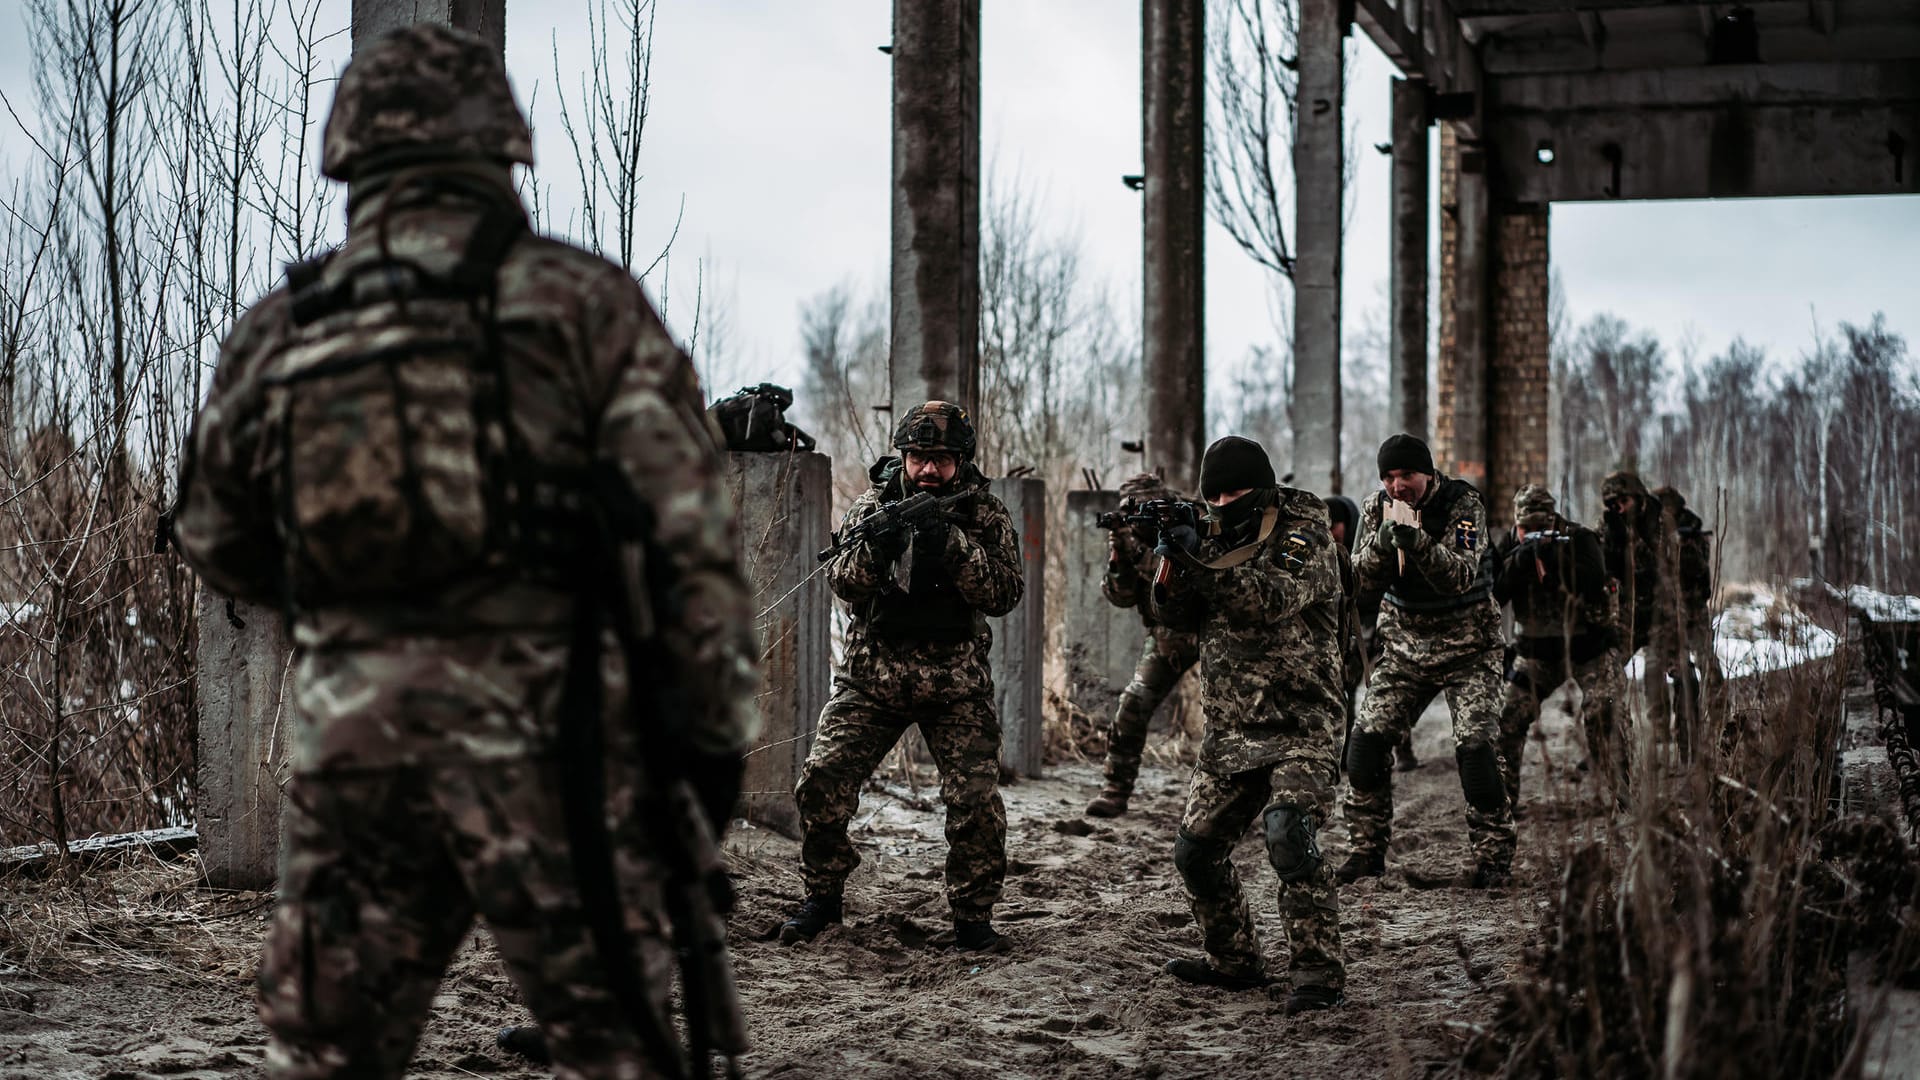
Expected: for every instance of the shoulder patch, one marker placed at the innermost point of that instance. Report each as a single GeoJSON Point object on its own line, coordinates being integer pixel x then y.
{"type": "Point", "coordinates": [1466, 533]}
{"type": "Point", "coordinates": [1295, 553]}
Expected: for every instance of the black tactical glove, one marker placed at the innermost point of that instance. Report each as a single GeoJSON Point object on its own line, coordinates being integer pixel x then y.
{"type": "Point", "coordinates": [1183, 537]}
{"type": "Point", "coordinates": [888, 547]}
{"type": "Point", "coordinates": [930, 541]}
{"type": "Point", "coordinates": [1394, 535]}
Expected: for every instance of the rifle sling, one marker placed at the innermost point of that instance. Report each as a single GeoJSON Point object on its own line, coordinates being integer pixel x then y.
{"type": "Point", "coordinates": [1269, 519]}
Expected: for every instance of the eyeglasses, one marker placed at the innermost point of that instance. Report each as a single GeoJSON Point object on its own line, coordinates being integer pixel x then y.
{"type": "Point", "coordinates": [931, 457]}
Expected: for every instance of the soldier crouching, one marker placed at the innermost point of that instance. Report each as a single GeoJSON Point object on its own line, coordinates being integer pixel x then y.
{"type": "Point", "coordinates": [916, 652]}
{"type": "Point", "coordinates": [1165, 658]}
{"type": "Point", "coordinates": [1441, 634]}
{"type": "Point", "coordinates": [1263, 589]}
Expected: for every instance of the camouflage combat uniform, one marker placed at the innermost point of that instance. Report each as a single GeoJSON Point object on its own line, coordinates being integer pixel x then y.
{"type": "Point", "coordinates": [1166, 656]}
{"type": "Point", "coordinates": [1681, 641]}
{"type": "Point", "coordinates": [1440, 633]}
{"type": "Point", "coordinates": [918, 656]}
{"type": "Point", "coordinates": [1643, 556]}
{"type": "Point", "coordinates": [426, 785]}
{"type": "Point", "coordinates": [1563, 625]}
{"type": "Point", "coordinates": [1270, 669]}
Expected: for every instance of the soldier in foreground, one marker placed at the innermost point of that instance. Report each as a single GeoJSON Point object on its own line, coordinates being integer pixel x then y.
{"type": "Point", "coordinates": [1166, 657]}
{"type": "Point", "coordinates": [1263, 589]}
{"type": "Point", "coordinates": [436, 449]}
{"type": "Point", "coordinates": [1554, 574]}
{"type": "Point", "coordinates": [919, 586]}
{"type": "Point", "coordinates": [1440, 633]}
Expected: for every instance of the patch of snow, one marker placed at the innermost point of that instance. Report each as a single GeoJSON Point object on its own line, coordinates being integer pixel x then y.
{"type": "Point", "coordinates": [1881, 607]}
{"type": "Point", "coordinates": [1759, 633]}
{"type": "Point", "coordinates": [20, 612]}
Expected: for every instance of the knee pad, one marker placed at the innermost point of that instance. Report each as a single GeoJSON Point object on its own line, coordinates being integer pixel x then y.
{"type": "Point", "coordinates": [1480, 778]}
{"type": "Point", "coordinates": [1369, 760]}
{"type": "Point", "coordinates": [1202, 864]}
{"type": "Point", "coordinates": [1291, 846]}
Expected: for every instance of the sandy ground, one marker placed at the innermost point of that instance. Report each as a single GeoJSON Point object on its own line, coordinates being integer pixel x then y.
{"type": "Point", "coordinates": [1093, 910]}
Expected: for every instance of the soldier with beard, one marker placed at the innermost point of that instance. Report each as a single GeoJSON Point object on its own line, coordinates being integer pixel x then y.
{"type": "Point", "coordinates": [1263, 588]}
{"type": "Point", "coordinates": [916, 653]}
{"type": "Point", "coordinates": [1167, 655]}
{"type": "Point", "coordinates": [1555, 576]}
{"type": "Point", "coordinates": [1441, 634]}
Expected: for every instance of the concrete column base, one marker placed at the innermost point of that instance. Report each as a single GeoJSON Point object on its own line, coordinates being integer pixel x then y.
{"type": "Point", "coordinates": [1020, 638]}
{"type": "Point", "coordinates": [245, 738]}
{"type": "Point", "coordinates": [1103, 642]}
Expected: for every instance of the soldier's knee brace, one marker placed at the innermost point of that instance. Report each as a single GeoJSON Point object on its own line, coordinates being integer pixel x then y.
{"type": "Point", "coordinates": [1291, 846]}
{"type": "Point", "coordinates": [1369, 760]}
{"type": "Point", "coordinates": [1203, 864]}
{"type": "Point", "coordinates": [1480, 778]}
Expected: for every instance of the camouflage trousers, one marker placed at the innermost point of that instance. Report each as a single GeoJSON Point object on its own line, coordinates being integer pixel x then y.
{"type": "Point", "coordinates": [382, 874]}
{"type": "Point", "coordinates": [1602, 712]}
{"type": "Point", "coordinates": [855, 732]}
{"type": "Point", "coordinates": [1219, 810]}
{"type": "Point", "coordinates": [1682, 652]}
{"type": "Point", "coordinates": [1401, 689]}
{"type": "Point", "coordinates": [1165, 658]}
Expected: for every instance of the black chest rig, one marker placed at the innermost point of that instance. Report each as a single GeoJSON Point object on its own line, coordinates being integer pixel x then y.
{"type": "Point", "coordinates": [929, 606]}
{"type": "Point", "coordinates": [1412, 591]}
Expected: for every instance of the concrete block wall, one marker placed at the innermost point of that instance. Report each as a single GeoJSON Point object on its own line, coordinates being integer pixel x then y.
{"type": "Point", "coordinates": [245, 739]}
{"type": "Point", "coordinates": [786, 505]}
{"type": "Point", "coordinates": [1103, 642]}
{"type": "Point", "coordinates": [1520, 373]}
{"type": "Point", "coordinates": [1020, 637]}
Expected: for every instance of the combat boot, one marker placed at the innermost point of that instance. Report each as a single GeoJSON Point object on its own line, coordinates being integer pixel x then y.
{"type": "Point", "coordinates": [816, 913]}
{"type": "Point", "coordinates": [1201, 973]}
{"type": "Point", "coordinates": [1361, 864]}
{"type": "Point", "coordinates": [1310, 998]}
{"type": "Point", "coordinates": [1111, 803]}
{"type": "Point", "coordinates": [526, 1040]}
{"type": "Point", "coordinates": [1489, 874]}
{"type": "Point", "coordinates": [979, 937]}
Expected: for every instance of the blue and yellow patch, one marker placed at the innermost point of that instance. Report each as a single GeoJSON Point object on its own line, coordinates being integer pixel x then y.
{"type": "Point", "coordinates": [1466, 533]}
{"type": "Point", "coordinates": [1295, 553]}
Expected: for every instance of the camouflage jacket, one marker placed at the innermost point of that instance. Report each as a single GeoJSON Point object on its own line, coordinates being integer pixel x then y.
{"type": "Point", "coordinates": [1270, 650]}
{"type": "Point", "coordinates": [1447, 561]}
{"type": "Point", "coordinates": [1128, 580]}
{"type": "Point", "coordinates": [595, 378]}
{"type": "Point", "coordinates": [978, 557]}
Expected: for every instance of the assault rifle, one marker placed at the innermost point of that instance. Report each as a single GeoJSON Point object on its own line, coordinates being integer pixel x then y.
{"type": "Point", "coordinates": [891, 519]}
{"type": "Point", "coordinates": [1164, 514]}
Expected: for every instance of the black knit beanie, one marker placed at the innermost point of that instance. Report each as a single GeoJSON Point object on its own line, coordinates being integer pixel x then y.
{"type": "Point", "coordinates": [1234, 464]}
{"type": "Point", "coordinates": [1403, 451]}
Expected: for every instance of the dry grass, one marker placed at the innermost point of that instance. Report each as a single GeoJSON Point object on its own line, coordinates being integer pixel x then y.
{"type": "Point", "coordinates": [134, 913]}
{"type": "Point", "coordinates": [1713, 925]}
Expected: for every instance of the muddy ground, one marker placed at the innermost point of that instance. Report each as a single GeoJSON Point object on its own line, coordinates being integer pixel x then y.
{"type": "Point", "coordinates": [150, 978]}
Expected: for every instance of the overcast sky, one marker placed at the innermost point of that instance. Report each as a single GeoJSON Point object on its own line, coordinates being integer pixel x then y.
{"type": "Point", "coordinates": [770, 118]}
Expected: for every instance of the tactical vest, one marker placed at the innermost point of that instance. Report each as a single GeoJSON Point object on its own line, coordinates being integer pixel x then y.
{"type": "Point", "coordinates": [1412, 591]}
{"type": "Point", "coordinates": [932, 609]}
{"type": "Point", "coordinates": [395, 464]}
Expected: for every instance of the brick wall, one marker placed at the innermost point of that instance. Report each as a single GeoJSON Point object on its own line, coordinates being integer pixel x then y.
{"type": "Point", "coordinates": [1518, 378]}
{"type": "Point", "coordinates": [1449, 244]}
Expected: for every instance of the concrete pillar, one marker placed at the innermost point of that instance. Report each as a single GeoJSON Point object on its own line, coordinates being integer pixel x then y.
{"type": "Point", "coordinates": [786, 508]}
{"type": "Point", "coordinates": [242, 750]}
{"type": "Point", "coordinates": [1461, 448]}
{"type": "Point", "coordinates": [372, 18]}
{"type": "Point", "coordinates": [1173, 122]}
{"type": "Point", "coordinates": [1102, 641]}
{"type": "Point", "coordinates": [1020, 637]}
{"type": "Point", "coordinates": [245, 735]}
{"type": "Point", "coordinates": [1519, 373]}
{"type": "Point", "coordinates": [1407, 383]}
{"type": "Point", "coordinates": [1317, 167]}
{"type": "Point", "coordinates": [936, 203]}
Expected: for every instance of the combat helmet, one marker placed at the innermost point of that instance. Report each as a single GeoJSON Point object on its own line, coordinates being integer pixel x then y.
{"type": "Point", "coordinates": [1534, 507]}
{"type": "Point", "coordinates": [424, 92]}
{"type": "Point", "coordinates": [1144, 488]}
{"type": "Point", "coordinates": [1624, 482]}
{"type": "Point", "coordinates": [936, 426]}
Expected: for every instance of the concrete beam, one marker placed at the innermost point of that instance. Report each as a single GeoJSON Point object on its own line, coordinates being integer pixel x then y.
{"type": "Point", "coordinates": [372, 18]}
{"type": "Point", "coordinates": [245, 740]}
{"type": "Point", "coordinates": [1424, 40]}
{"type": "Point", "coordinates": [1103, 642]}
{"type": "Point", "coordinates": [936, 203]}
{"type": "Point", "coordinates": [1018, 656]}
{"type": "Point", "coordinates": [1407, 385]}
{"type": "Point", "coordinates": [1173, 122]}
{"type": "Point", "coordinates": [1467, 452]}
{"type": "Point", "coordinates": [1319, 130]}
{"type": "Point", "coordinates": [1567, 49]}
{"type": "Point", "coordinates": [786, 506]}
{"type": "Point", "coordinates": [1709, 132]}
